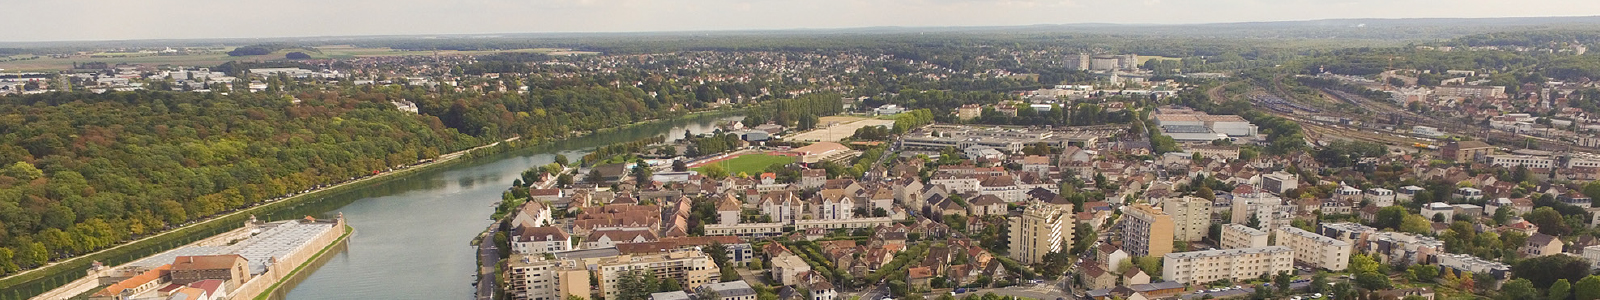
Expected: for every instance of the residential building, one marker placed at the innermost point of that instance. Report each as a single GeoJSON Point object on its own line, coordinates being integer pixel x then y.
{"type": "Point", "coordinates": [1380, 197]}
{"type": "Point", "coordinates": [538, 240]}
{"type": "Point", "coordinates": [1526, 161]}
{"type": "Point", "coordinates": [1191, 217]}
{"type": "Point", "coordinates": [1280, 182]}
{"type": "Point", "coordinates": [786, 268]}
{"type": "Point", "coordinates": [1146, 231]}
{"type": "Point", "coordinates": [1398, 247]}
{"type": "Point", "coordinates": [1314, 249]}
{"type": "Point", "coordinates": [1467, 151]}
{"type": "Point", "coordinates": [531, 277]}
{"type": "Point", "coordinates": [1041, 229]}
{"type": "Point", "coordinates": [691, 268]}
{"type": "Point", "coordinates": [1592, 253]}
{"type": "Point", "coordinates": [1353, 233]}
{"type": "Point", "coordinates": [1201, 267]}
{"type": "Point", "coordinates": [1462, 263]}
{"type": "Point", "coordinates": [1236, 236]}
{"type": "Point", "coordinates": [1540, 244]}
{"type": "Point", "coordinates": [1438, 208]}
{"type": "Point", "coordinates": [732, 290]}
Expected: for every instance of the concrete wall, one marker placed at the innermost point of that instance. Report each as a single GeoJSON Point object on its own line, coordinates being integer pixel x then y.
{"type": "Point", "coordinates": [280, 270]}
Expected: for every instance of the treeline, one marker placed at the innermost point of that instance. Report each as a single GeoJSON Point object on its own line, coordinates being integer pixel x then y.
{"type": "Point", "coordinates": [607, 151]}
{"type": "Point", "coordinates": [88, 170]}
{"type": "Point", "coordinates": [912, 120]}
{"type": "Point", "coordinates": [790, 112]}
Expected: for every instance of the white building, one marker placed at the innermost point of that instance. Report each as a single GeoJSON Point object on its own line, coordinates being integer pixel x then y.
{"type": "Point", "coordinates": [1236, 236]}
{"type": "Point", "coordinates": [1316, 250]}
{"type": "Point", "coordinates": [1200, 267]}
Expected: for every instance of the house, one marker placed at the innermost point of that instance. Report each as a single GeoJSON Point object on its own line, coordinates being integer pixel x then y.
{"type": "Point", "coordinates": [1135, 276]}
{"type": "Point", "coordinates": [919, 277]}
{"type": "Point", "coordinates": [536, 240]}
{"type": "Point", "coordinates": [606, 238]}
{"type": "Point", "coordinates": [732, 290]}
{"type": "Point", "coordinates": [786, 268]}
{"type": "Point", "coordinates": [812, 178]}
{"type": "Point", "coordinates": [1540, 244]}
{"type": "Point", "coordinates": [1574, 198]}
{"type": "Point", "coordinates": [986, 205]}
{"type": "Point", "coordinates": [1094, 277]}
{"type": "Point", "coordinates": [1438, 211]}
{"type": "Point", "coordinates": [532, 214]}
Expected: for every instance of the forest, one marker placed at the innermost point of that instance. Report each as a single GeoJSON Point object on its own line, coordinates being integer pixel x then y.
{"type": "Point", "coordinates": [92, 170]}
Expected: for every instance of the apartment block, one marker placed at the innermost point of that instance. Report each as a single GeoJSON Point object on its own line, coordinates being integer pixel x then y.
{"type": "Point", "coordinates": [1146, 231]}
{"type": "Point", "coordinates": [691, 268]}
{"type": "Point", "coordinates": [531, 277]}
{"type": "Point", "coordinates": [1041, 229]}
{"type": "Point", "coordinates": [1200, 267]}
{"type": "Point", "coordinates": [1314, 249]}
{"type": "Point", "coordinates": [1398, 247]}
{"type": "Point", "coordinates": [1191, 217]}
{"type": "Point", "coordinates": [1235, 236]}
{"type": "Point", "coordinates": [1353, 233]}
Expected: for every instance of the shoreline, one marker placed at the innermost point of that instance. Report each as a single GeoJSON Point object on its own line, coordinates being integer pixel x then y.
{"type": "Point", "coordinates": [297, 272]}
{"type": "Point", "coordinates": [62, 273]}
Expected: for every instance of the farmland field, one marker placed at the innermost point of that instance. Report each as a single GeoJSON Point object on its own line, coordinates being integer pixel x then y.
{"type": "Point", "coordinates": [752, 163]}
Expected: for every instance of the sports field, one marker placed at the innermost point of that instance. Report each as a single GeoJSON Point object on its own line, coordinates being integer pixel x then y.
{"type": "Point", "coordinates": [751, 163]}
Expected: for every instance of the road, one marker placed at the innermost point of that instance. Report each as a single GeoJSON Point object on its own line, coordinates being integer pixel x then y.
{"type": "Point", "coordinates": [488, 257]}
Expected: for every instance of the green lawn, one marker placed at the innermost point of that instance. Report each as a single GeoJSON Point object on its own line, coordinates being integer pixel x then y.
{"type": "Point", "coordinates": [752, 163]}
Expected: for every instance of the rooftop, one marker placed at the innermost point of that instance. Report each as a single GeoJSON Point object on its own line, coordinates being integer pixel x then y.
{"type": "Point", "coordinates": [1228, 252]}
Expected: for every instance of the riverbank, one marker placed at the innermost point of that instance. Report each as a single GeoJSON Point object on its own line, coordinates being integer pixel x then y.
{"type": "Point", "coordinates": [37, 281]}
{"type": "Point", "coordinates": [296, 274]}
{"type": "Point", "coordinates": [44, 280]}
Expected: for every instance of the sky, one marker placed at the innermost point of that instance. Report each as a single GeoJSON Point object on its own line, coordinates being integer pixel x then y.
{"type": "Point", "coordinates": [79, 20]}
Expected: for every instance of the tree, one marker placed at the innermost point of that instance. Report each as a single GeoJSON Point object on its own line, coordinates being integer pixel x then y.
{"type": "Point", "coordinates": [641, 174]}
{"type": "Point", "coordinates": [561, 159]}
{"type": "Point", "coordinates": [594, 176]}
{"type": "Point", "coordinates": [1549, 221]}
{"type": "Point", "coordinates": [1389, 217]}
{"type": "Point", "coordinates": [1560, 290]}
{"type": "Point", "coordinates": [1360, 263]}
{"type": "Point", "coordinates": [1319, 282]}
{"type": "Point", "coordinates": [679, 166]}
{"type": "Point", "coordinates": [297, 55]}
{"type": "Point", "coordinates": [715, 171]}
{"type": "Point", "coordinates": [1282, 281]}
{"type": "Point", "coordinates": [1424, 273]}
{"type": "Point", "coordinates": [1372, 281]}
{"type": "Point", "coordinates": [1415, 224]}
{"type": "Point", "coordinates": [1518, 289]}
{"type": "Point", "coordinates": [564, 180]}
{"type": "Point", "coordinates": [670, 285]}
{"type": "Point", "coordinates": [1587, 289]}
{"type": "Point", "coordinates": [636, 285]}
{"type": "Point", "coordinates": [1545, 270]}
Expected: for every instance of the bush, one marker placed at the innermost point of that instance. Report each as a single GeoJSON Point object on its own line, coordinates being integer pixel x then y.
{"type": "Point", "coordinates": [297, 55]}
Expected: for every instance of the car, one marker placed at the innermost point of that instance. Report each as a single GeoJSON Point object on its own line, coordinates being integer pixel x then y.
{"type": "Point", "coordinates": [1317, 295]}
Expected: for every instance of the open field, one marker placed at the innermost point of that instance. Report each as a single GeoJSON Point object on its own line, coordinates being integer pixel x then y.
{"type": "Point", "coordinates": [44, 63]}
{"type": "Point", "coordinates": [751, 163]}
{"type": "Point", "coordinates": [843, 127]}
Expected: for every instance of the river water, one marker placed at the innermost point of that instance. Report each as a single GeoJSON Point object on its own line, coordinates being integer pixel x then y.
{"type": "Point", "coordinates": [412, 234]}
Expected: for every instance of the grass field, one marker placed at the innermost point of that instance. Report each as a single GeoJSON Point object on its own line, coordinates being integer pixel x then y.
{"type": "Point", "coordinates": [45, 63]}
{"type": "Point", "coordinates": [751, 163]}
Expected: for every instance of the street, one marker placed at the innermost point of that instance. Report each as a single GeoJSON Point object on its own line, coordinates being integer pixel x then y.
{"type": "Point", "coordinates": [488, 256]}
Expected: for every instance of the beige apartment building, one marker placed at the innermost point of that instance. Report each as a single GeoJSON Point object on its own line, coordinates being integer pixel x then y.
{"type": "Point", "coordinates": [1191, 217]}
{"type": "Point", "coordinates": [1200, 267]}
{"type": "Point", "coordinates": [1314, 249]}
{"type": "Point", "coordinates": [531, 277]}
{"type": "Point", "coordinates": [1040, 229]}
{"type": "Point", "coordinates": [1235, 236]}
{"type": "Point", "coordinates": [1146, 231]}
{"type": "Point", "coordinates": [689, 267]}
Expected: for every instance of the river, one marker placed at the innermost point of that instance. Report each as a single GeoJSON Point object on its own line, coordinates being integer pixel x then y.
{"type": "Point", "coordinates": [412, 233]}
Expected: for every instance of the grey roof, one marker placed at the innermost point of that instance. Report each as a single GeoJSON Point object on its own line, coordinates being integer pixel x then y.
{"type": "Point", "coordinates": [1156, 286]}
{"type": "Point", "coordinates": [1225, 252]}
{"type": "Point", "coordinates": [588, 253]}
{"type": "Point", "coordinates": [167, 257]}
{"type": "Point", "coordinates": [731, 288]}
{"type": "Point", "coordinates": [277, 240]}
{"type": "Point", "coordinates": [673, 295]}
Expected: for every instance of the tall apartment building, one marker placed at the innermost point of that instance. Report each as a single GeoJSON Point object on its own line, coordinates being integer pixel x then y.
{"type": "Point", "coordinates": [1200, 267]}
{"type": "Point", "coordinates": [1040, 229]}
{"type": "Point", "coordinates": [1249, 202]}
{"type": "Point", "coordinates": [691, 268]}
{"type": "Point", "coordinates": [1314, 249]}
{"type": "Point", "coordinates": [1191, 217]}
{"type": "Point", "coordinates": [1235, 236]}
{"type": "Point", "coordinates": [531, 277]}
{"type": "Point", "coordinates": [1146, 231]}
